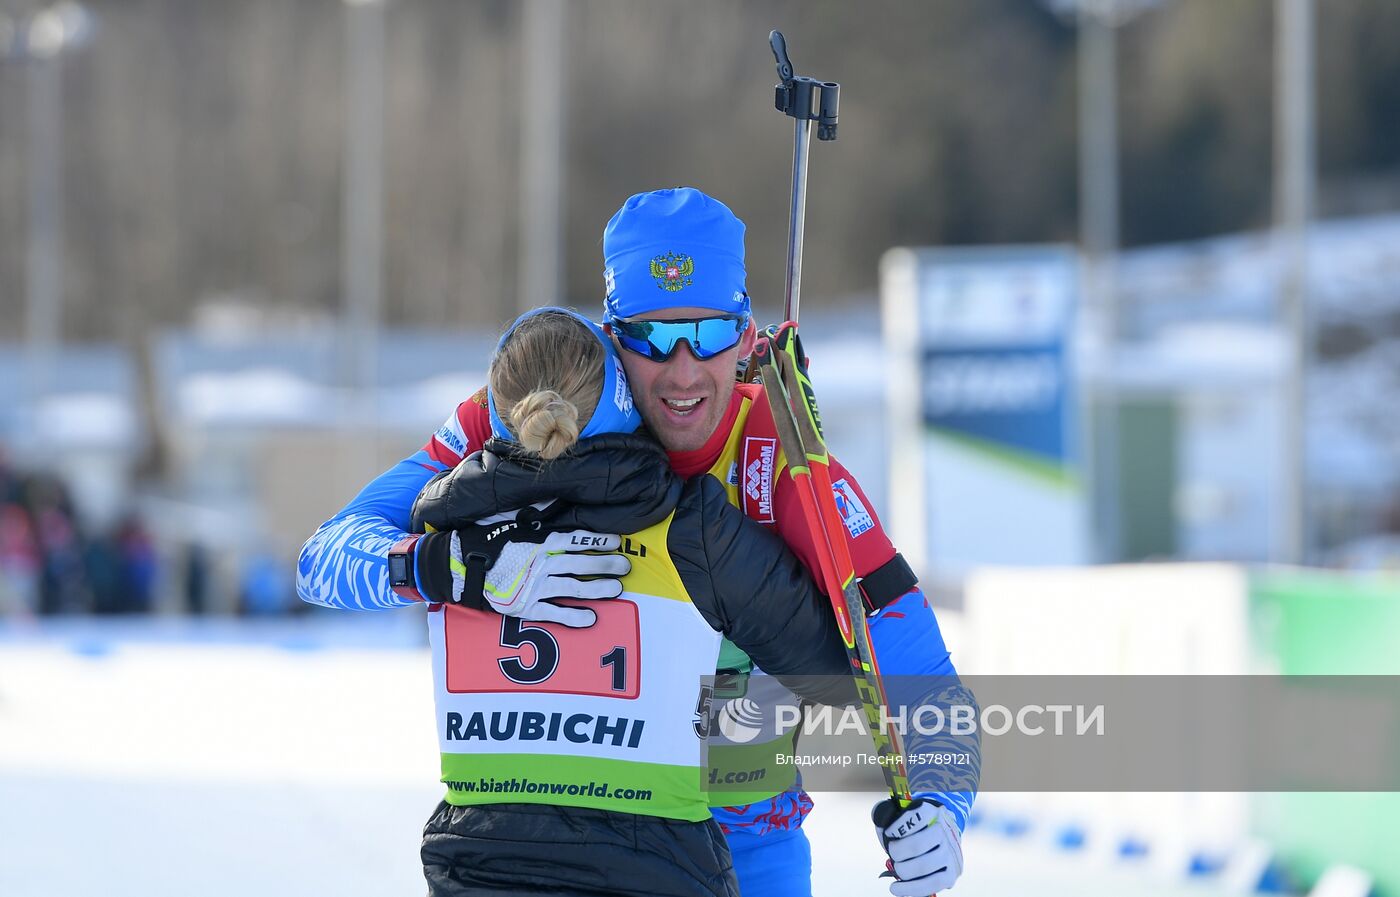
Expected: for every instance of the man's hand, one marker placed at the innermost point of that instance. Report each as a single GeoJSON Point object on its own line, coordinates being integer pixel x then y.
{"type": "Point", "coordinates": [526, 574]}
{"type": "Point", "coordinates": [779, 338]}
{"type": "Point", "coordinates": [923, 845]}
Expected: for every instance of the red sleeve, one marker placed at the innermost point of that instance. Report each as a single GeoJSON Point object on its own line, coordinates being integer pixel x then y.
{"type": "Point", "coordinates": [869, 545]}
{"type": "Point", "coordinates": [464, 432]}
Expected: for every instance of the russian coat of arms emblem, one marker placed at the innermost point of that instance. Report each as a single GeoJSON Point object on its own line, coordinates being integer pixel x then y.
{"type": "Point", "coordinates": [672, 271]}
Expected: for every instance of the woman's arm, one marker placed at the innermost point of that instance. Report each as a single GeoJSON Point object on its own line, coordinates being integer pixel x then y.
{"type": "Point", "coordinates": [748, 585]}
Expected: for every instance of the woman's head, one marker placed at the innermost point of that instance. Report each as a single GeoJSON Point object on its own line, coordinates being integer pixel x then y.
{"type": "Point", "coordinates": [548, 379]}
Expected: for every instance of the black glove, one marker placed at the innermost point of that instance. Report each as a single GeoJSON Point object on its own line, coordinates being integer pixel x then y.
{"type": "Point", "coordinates": [515, 566]}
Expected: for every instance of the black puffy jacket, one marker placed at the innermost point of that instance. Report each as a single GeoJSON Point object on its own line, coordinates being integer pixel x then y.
{"type": "Point", "coordinates": [741, 577]}
{"type": "Point", "coordinates": [742, 580]}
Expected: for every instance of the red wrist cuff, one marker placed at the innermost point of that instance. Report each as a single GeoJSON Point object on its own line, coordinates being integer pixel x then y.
{"type": "Point", "coordinates": [403, 578]}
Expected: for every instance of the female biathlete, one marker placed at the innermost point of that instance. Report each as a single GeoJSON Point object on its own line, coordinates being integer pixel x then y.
{"type": "Point", "coordinates": [572, 750]}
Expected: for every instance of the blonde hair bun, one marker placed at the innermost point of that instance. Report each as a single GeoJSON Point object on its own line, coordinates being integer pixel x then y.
{"type": "Point", "coordinates": [546, 380]}
{"type": "Point", "coordinates": [546, 422]}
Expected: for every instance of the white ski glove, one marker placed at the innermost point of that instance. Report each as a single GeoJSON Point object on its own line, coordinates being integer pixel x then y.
{"type": "Point", "coordinates": [525, 575]}
{"type": "Point", "coordinates": [923, 845]}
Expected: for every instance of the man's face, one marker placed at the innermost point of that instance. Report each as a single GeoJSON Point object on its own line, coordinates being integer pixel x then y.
{"type": "Point", "coordinates": [683, 399]}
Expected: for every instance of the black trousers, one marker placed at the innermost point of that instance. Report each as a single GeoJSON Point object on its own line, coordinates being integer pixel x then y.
{"type": "Point", "coordinates": [531, 849]}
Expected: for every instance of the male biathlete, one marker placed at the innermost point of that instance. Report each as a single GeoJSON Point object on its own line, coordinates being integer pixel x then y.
{"type": "Point", "coordinates": [677, 306]}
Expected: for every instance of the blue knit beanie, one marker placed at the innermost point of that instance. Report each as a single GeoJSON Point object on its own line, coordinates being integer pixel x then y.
{"type": "Point", "coordinates": [673, 248]}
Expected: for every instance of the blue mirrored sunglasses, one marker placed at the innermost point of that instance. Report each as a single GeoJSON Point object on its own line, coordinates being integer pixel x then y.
{"type": "Point", "coordinates": [658, 340]}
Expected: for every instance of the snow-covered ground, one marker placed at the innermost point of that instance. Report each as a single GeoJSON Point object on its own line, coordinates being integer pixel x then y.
{"type": "Point", "coordinates": [148, 767]}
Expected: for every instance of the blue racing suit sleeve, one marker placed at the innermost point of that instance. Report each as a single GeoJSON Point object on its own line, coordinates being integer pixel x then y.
{"type": "Point", "coordinates": [345, 563]}
{"type": "Point", "coordinates": [908, 643]}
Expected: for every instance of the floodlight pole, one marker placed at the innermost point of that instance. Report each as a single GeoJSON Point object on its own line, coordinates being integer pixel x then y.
{"type": "Point", "coordinates": [44, 253]}
{"type": "Point", "coordinates": [1098, 228]}
{"type": "Point", "coordinates": [362, 191]}
{"type": "Point", "coordinates": [542, 188]}
{"type": "Point", "coordinates": [1294, 175]}
{"type": "Point", "coordinates": [41, 42]}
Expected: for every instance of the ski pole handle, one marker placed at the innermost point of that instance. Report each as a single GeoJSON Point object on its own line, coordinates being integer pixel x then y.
{"type": "Point", "coordinates": [802, 98]}
{"type": "Point", "coordinates": [805, 100]}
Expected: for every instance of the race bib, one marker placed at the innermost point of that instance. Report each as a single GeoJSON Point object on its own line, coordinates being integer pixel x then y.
{"type": "Point", "coordinates": [490, 652]}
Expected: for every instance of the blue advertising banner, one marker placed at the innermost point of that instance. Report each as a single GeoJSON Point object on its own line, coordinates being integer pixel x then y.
{"type": "Point", "coordinates": [1014, 396]}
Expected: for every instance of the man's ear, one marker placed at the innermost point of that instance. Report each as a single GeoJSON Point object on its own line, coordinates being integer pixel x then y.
{"type": "Point", "coordinates": [748, 339]}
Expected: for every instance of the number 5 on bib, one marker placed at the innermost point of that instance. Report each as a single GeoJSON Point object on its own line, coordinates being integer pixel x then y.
{"type": "Point", "coordinates": [488, 652]}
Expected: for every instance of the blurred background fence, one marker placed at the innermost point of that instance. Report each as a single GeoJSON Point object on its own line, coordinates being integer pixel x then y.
{"type": "Point", "coordinates": [223, 225]}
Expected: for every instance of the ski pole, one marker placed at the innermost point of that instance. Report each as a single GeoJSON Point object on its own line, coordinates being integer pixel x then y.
{"type": "Point", "coordinates": [806, 100]}
{"type": "Point", "coordinates": [799, 423]}
{"type": "Point", "coordinates": [779, 363]}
